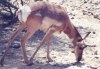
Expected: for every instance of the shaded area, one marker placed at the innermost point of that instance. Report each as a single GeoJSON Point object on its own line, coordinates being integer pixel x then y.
{"type": "Point", "coordinates": [82, 15]}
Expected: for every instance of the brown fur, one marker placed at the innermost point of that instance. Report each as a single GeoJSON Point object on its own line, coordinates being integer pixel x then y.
{"type": "Point", "coordinates": [56, 20]}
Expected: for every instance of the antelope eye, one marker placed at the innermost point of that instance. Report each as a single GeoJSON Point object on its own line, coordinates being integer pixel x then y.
{"type": "Point", "coordinates": [80, 48]}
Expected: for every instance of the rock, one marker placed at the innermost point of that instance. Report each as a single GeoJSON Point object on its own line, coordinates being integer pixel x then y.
{"type": "Point", "coordinates": [16, 44]}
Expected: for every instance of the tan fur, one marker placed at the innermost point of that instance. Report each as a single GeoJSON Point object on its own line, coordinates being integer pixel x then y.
{"type": "Point", "coordinates": [51, 18]}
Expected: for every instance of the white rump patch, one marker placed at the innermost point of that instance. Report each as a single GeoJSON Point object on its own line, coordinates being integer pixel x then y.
{"type": "Point", "coordinates": [26, 10]}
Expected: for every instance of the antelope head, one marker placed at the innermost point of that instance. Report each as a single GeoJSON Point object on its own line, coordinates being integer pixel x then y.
{"type": "Point", "coordinates": [79, 48]}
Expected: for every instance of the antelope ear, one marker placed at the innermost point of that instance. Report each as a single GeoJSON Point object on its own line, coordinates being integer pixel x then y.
{"type": "Point", "coordinates": [84, 46]}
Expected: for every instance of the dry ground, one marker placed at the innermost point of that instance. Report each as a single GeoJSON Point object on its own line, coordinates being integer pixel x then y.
{"type": "Point", "coordinates": [61, 46]}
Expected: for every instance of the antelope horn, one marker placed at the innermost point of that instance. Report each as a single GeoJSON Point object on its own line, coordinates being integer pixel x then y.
{"type": "Point", "coordinates": [86, 35]}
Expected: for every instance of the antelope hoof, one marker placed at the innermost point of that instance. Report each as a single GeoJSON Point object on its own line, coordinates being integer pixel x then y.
{"type": "Point", "coordinates": [30, 64]}
{"type": "Point", "coordinates": [79, 59]}
{"type": "Point", "coordinates": [49, 60]}
{"type": "Point", "coordinates": [1, 62]}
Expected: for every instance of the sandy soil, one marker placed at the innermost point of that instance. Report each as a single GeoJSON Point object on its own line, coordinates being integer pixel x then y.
{"type": "Point", "coordinates": [61, 46]}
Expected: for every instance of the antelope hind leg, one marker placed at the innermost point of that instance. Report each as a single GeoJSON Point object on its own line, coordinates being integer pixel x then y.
{"type": "Point", "coordinates": [30, 31]}
{"type": "Point", "coordinates": [19, 29]}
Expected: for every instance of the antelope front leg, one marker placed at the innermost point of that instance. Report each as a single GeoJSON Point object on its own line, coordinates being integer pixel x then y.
{"type": "Point", "coordinates": [10, 41]}
{"type": "Point", "coordinates": [48, 52]}
{"type": "Point", "coordinates": [46, 37]}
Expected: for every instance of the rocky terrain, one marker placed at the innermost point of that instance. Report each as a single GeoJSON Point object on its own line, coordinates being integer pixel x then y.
{"type": "Point", "coordinates": [85, 15]}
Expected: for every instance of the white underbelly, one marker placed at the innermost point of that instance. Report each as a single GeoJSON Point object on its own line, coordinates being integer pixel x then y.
{"type": "Point", "coordinates": [47, 22]}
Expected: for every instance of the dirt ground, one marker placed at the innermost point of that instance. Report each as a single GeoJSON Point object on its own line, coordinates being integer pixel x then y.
{"type": "Point", "coordinates": [61, 47]}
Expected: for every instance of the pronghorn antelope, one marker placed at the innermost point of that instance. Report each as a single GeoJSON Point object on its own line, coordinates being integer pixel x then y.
{"type": "Point", "coordinates": [50, 18]}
